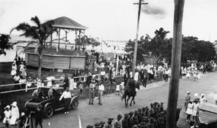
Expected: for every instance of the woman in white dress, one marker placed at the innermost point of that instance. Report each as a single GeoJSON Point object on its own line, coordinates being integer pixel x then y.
{"type": "Point", "coordinates": [195, 113]}
{"type": "Point", "coordinates": [15, 114]}
{"type": "Point", "coordinates": [189, 110]}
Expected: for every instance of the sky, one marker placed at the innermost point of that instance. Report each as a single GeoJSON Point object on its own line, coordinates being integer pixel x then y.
{"type": "Point", "coordinates": [115, 19]}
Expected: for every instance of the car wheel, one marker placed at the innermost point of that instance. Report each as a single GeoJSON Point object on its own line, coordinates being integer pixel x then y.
{"type": "Point", "coordinates": [49, 111]}
{"type": "Point", "coordinates": [74, 104]}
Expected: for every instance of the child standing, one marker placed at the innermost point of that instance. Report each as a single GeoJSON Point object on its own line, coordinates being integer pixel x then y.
{"type": "Point", "coordinates": [189, 111]}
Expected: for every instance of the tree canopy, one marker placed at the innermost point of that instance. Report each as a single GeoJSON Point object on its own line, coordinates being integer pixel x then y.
{"type": "Point", "coordinates": [4, 43]}
{"type": "Point", "coordinates": [200, 50]}
{"type": "Point", "coordinates": [157, 46]}
{"type": "Point", "coordinates": [160, 47]}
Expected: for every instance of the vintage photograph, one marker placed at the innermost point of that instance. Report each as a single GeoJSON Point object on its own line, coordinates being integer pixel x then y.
{"type": "Point", "coordinates": [108, 64]}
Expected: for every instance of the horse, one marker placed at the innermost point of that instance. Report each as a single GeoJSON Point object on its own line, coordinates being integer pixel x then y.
{"type": "Point", "coordinates": [130, 91]}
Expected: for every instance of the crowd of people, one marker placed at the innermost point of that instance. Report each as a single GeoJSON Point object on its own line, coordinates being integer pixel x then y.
{"type": "Point", "coordinates": [192, 107]}
{"type": "Point", "coordinates": [195, 70]}
{"type": "Point", "coordinates": [153, 117]}
{"type": "Point", "coordinates": [191, 72]}
{"type": "Point", "coordinates": [18, 71]}
{"type": "Point", "coordinates": [11, 115]}
{"type": "Point", "coordinates": [146, 117]}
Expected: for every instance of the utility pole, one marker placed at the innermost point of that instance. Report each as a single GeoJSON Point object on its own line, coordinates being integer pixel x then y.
{"type": "Point", "coordinates": [137, 35]}
{"type": "Point", "coordinates": [176, 60]}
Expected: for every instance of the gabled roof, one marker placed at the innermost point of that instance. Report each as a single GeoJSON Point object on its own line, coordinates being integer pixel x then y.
{"type": "Point", "coordinates": [67, 23]}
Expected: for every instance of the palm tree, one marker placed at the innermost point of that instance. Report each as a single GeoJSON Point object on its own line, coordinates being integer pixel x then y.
{"type": "Point", "coordinates": [4, 43]}
{"type": "Point", "coordinates": [39, 32]}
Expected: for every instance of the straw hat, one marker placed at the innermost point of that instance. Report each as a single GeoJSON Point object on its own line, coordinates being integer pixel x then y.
{"type": "Point", "coordinates": [196, 95]}
{"type": "Point", "coordinates": [22, 114]}
{"type": "Point", "coordinates": [7, 107]}
{"type": "Point", "coordinates": [14, 103]}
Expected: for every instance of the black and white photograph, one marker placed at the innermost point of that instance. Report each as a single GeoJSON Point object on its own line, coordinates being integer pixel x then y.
{"type": "Point", "coordinates": [108, 64]}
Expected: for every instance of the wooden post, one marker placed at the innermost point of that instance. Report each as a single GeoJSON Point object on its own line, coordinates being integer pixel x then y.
{"type": "Point", "coordinates": [66, 33]}
{"type": "Point", "coordinates": [176, 62]}
{"type": "Point", "coordinates": [76, 35]}
{"type": "Point", "coordinates": [137, 36]}
{"type": "Point", "coordinates": [51, 39]}
{"type": "Point", "coordinates": [66, 39]}
{"type": "Point", "coordinates": [58, 39]}
{"type": "Point", "coordinates": [117, 64]}
{"type": "Point", "coordinates": [70, 63]}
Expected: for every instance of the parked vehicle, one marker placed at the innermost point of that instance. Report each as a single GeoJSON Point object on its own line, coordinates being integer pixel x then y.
{"type": "Point", "coordinates": [50, 105]}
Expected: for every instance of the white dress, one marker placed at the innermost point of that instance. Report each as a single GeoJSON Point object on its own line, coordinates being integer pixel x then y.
{"type": "Point", "coordinates": [117, 88]}
{"type": "Point", "coordinates": [195, 109]}
{"type": "Point", "coordinates": [7, 116]}
{"type": "Point", "coordinates": [14, 115]}
{"type": "Point", "coordinates": [189, 109]}
{"type": "Point", "coordinates": [136, 76]}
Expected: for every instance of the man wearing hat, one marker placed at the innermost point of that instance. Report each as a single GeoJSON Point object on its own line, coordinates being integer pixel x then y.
{"type": "Point", "coordinates": [91, 91]}
{"type": "Point", "coordinates": [97, 125]}
{"type": "Point", "coordinates": [187, 99]}
{"type": "Point", "coordinates": [109, 123]}
{"type": "Point", "coordinates": [7, 116]}
{"type": "Point", "coordinates": [38, 117]}
{"type": "Point", "coordinates": [89, 126]}
{"type": "Point", "coordinates": [118, 123]}
{"type": "Point", "coordinates": [125, 122]}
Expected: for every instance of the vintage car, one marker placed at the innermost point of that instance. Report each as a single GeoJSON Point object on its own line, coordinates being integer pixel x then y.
{"type": "Point", "coordinates": [50, 105]}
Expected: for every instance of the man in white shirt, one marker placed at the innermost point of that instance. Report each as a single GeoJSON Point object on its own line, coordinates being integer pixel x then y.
{"type": "Point", "coordinates": [91, 92]}
{"type": "Point", "coordinates": [136, 76]}
{"type": "Point", "coordinates": [101, 89]}
{"type": "Point", "coordinates": [67, 97]}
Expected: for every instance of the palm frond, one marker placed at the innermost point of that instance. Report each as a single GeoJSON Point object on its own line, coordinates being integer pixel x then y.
{"type": "Point", "coordinates": [23, 27]}
{"type": "Point", "coordinates": [36, 21]}
{"type": "Point", "coordinates": [31, 31]}
{"type": "Point", "coordinates": [47, 29]}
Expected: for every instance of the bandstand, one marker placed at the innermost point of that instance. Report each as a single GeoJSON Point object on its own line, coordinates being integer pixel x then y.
{"type": "Point", "coordinates": [60, 52]}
